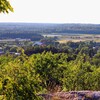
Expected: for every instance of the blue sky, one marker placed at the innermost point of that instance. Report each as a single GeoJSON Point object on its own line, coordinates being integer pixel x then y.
{"type": "Point", "coordinates": [54, 11]}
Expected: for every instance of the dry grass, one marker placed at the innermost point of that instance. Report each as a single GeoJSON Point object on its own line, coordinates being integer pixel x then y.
{"type": "Point", "coordinates": [79, 37]}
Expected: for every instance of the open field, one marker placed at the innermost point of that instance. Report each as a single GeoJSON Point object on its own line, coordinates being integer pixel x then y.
{"type": "Point", "coordinates": [78, 38]}
{"type": "Point", "coordinates": [75, 37]}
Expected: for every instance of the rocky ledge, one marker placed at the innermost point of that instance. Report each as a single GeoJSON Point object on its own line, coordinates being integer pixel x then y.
{"type": "Point", "coordinates": [72, 95]}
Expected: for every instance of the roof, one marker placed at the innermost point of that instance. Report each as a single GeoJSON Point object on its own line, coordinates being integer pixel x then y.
{"type": "Point", "coordinates": [38, 43]}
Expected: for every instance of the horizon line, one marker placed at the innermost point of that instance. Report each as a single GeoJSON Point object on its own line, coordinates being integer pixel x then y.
{"type": "Point", "coordinates": [51, 23]}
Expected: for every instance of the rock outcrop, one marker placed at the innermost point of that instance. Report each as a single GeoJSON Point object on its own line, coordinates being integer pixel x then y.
{"type": "Point", "coordinates": [72, 95]}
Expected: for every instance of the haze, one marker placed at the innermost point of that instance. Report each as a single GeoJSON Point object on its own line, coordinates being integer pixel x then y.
{"type": "Point", "coordinates": [54, 11]}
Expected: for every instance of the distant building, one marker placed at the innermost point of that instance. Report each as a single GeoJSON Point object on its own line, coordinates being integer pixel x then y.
{"type": "Point", "coordinates": [13, 40]}
{"type": "Point", "coordinates": [20, 40]}
{"type": "Point", "coordinates": [38, 44]}
{"type": "Point", "coordinates": [1, 51]}
{"type": "Point", "coordinates": [17, 54]}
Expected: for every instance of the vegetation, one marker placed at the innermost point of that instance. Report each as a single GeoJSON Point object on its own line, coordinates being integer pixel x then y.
{"type": "Point", "coordinates": [32, 36]}
{"type": "Point", "coordinates": [24, 77]}
{"type": "Point", "coordinates": [43, 28]}
{"type": "Point", "coordinates": [5, 6]}
{"type": "Point", "coordinates": [51, 68]}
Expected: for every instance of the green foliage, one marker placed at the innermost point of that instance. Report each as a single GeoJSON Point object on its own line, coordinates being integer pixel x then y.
{"type": "Point", "coordinates": [18, 81]}
{"type": "Point", "coordinates": [24, 77]}
{"type": "Point", "coordinates": [50, 67]}
{"type": "Point", "coordinates": [5, 6]}
{"type": "Point", "coordinates": [96, 59]}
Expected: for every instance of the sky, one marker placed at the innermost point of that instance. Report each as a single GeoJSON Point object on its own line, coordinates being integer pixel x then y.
{"type": "Point", "coordinates": [54, 11]}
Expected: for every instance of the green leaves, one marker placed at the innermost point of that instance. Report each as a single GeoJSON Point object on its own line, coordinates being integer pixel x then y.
{"type": "Point", "coordinates": [25, 77]}
{"type": "Point", "coordinates": [18, 81]}
{"type": "Point", "coordinates": [50, 68]}
{"type": "Point", "coordinates": [5, 6]}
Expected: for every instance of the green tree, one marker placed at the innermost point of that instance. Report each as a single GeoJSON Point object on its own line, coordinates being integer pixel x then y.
{"type": "Point", "coordinates": [5, 6]}
{"type": "Point", "coordinates": [96, 59]}
{"type": "Point", "coordinates": [50, 68]}
{"type": "Point", "coordinates": [18, 81]}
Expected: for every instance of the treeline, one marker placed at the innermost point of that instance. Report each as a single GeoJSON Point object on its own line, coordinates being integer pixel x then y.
{"type": "Point", "coordinates": [24, 77]}
{"type": "Point", "coordinates": [26, 35]}
{"type": "Point", "coordinates": [49, 28]}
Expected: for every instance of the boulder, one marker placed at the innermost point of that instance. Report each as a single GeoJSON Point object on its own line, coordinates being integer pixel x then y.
{"type": "Point", "coordinates": [72, 95]}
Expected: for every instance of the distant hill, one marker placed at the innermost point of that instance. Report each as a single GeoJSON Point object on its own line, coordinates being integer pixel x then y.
{"type": "Point", "coordinates": [33, 29]}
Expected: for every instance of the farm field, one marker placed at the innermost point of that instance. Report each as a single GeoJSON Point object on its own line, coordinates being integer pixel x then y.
{"type": "Point", "coordinates": [78, 38]}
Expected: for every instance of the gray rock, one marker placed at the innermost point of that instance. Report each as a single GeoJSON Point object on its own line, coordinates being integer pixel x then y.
{"type": "Point", "coordinates": [72, 95]}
